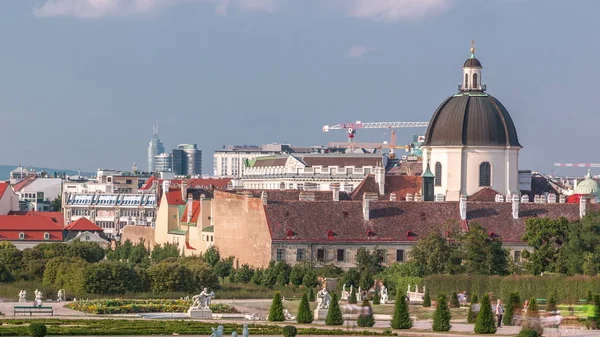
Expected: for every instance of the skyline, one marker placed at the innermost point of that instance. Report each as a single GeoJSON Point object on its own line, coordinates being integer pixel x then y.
{"type": "Point", "coordinates": [90, 81]}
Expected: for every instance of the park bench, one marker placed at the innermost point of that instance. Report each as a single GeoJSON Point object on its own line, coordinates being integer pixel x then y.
{"type": "Point", "coordinates": [32, 310]}
{"type": "Point", "coordinates": [541, 301]}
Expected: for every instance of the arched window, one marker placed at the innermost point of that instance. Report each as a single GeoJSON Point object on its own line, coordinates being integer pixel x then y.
{"type": "Point", "coordinates": [466, 81]}
{"type": "Point", "coordinates": [438, 174]}
{"type": "Point", "coordinates": [485, 174]}
{"type": "Point", "coordinates": [475, 80]}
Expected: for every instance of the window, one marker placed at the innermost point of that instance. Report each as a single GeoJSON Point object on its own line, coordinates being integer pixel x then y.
{"type": "Point", "coordinates": [485, 174]}
{"type": "Point", "coordinates": [87, 238]}
{"type": "Point", "coordinates": [46, 236]}
{"type": "Point", "coordinates": [21, 236]}
{"type": "Point", "coordinates": [321, 255]}
{"type": "Point", "coordinates": [300, 255]}
{"type": "Point", "coordinates": [466, 81]}
{"type": "Point", "coordinates": [517, 256]}
{"type": "Point", "coordinates": [438, 174]}
{"type": "Point", "coordinates": [399, 255]}
{"type": "Point", "coordinates": [128, 181]}
{"type": "Point", "coordinates": [341, 253]}
{"type": "Point", "coordinates": [349, 170]}
{"type": "Point", "coordinates": [280, 254]}
{"type": "Point", "coordinates": [367, 171]}
{"type": "Point", "coordinates": [475, 80]}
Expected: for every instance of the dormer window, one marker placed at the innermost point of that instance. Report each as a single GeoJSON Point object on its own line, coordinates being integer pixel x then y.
{"type": "Point", "coordinates": [46, 236]}
{"type": "Point", "coordinates": [21, 236]}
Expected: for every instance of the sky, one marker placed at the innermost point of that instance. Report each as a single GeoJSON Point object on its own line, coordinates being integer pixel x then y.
{"type": "Point", "coordinates": [83, 81]}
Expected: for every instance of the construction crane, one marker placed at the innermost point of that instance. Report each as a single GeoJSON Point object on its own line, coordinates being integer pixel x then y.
{"type": "Point", "coordinates": [577, 164]}
{"type": "Point", "coordinates": [352, 127]}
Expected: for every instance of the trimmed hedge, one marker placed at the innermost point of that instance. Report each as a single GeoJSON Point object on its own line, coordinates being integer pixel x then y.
{"type": "Point", "coordinates": [568, 288]}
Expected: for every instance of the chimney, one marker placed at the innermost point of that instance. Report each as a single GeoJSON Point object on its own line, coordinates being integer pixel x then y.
{"type": "Point", "coordinates": [418, 197]}
{"type": "Point", "coordinates": [392, 196]}
{"type": "Point", "coordinates": [463, 207]}
{"type": "Point", "coordinates": [562, 199]}
{"type": "Point", "coordinates": [552, 198]}
{"type": "Point", "coordinates": [183, 189]}
{"type": "Point", "coordinates": [166, 186]}
{"type": "Point", "coordinates": [440, 197]}
{"type": "Point", "coordinates": [380, 179]}
{"type": "Point", "coordinates": [336, 191]}
{"type": "Point", "coordinates": [582, 207]}
{"type": "Point", "coordinates": [409, 197]}
{"type": "Point", "coordinates": [367, 198]}
{"type": "Point", "coordinates": [499, 198]}
{"type": "Point", "coordinates": [525, 198]}
{"type": "Point", "coordinates": [515, 206]}
{"type": "Point", "coordinates": [263, 197]}
{"type": "Point", "coordinates": [306, 196]}
{"type": "Point", "coordinates": [190, 206]}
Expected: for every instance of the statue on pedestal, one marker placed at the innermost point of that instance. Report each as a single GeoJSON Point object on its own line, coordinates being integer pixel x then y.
{"type": "Point", "coordinates": [359, 295]}
{"type": "Point", "coordinates": [245, 331]}
{"type": "Point", "coordinates": [345, 294]}
{"type": "Point", "coordinates": [22, 296]}
{"type": "Point", "coordinates": [202, 300]}
{"type": "Point", "coordinates": [38, 298]}
{"type": "Point", "coordinates": [384, 295]}
{"type": "Point", "coordinates": [218, 332]}
{"type": "Point", "coordinates": [323, 299]}
{"type": "Point", "coordinates": [60, 296]}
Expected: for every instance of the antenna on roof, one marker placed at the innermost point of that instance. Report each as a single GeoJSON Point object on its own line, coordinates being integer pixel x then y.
{"type": "Point", "coordinates": [155, 129]}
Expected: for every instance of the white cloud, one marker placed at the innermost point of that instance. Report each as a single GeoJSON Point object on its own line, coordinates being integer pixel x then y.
{"type": "Point", "coordinates": [359, 51]}
{"type": "Point", "coordinates": [105, 8]}
{"type": "Point", "coordinates": [392, 10]}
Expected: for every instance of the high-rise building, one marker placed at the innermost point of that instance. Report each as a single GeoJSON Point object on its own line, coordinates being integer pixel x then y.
{"type": "Point", "coordinates": [154, 148]}
{"type": "Point", "coordinates": [187, 160]}
{"type": "Point", "coordinates": [163, 162]}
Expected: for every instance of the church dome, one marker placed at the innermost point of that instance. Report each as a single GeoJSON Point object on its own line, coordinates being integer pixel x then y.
{"type": "Point", "coordinates": [588, 186]}
{"type": "Point", "coordinates": [472, 62]}
{"type": "Point", "coordinates": [471, 118]}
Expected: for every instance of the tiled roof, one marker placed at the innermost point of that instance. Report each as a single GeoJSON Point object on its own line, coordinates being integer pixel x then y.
{"type": "Point", "coordinates": [174, 197]}
{"type": "Point", "coordinates": [399, 221]}
{"type": "Point", "coordinates": [195, 212]}
{"type": "Point", "coordinates": [34, 228]}
{"type": "Point", "coordinates": [56, 217]}
{"type": "Point", "coordinates": [401, 185]}
{"type": "Point", "coordinates": [292, 195]}
{"type": "Point", "coordinates": [83, 224]}
{"type": "Point", "coordinates": [342, 160]}
{"type": "Point", "coordinates": [148, 184]}
{"type": "Point", "coordinates": [208, 229]}
{"type": "Point", "coordinates": [208, 183]}
{"type": "Point", "coordinates": [540, 186]}
{"type": "Point", "coordinates": [366, 185]}
{"type": "Point", "coordinates": [3, 187]}
{"type": "Point", "coordinates": [484, 195]}
{"type": "Point", "coordinates": [21, 184]}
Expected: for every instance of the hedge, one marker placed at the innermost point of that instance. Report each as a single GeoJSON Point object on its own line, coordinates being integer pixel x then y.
{"type": "Point", "coordinates": [569, 289]}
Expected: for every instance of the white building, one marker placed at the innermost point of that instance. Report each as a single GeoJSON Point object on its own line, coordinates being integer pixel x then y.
{"type": "Point", "coordinates": [155, 147]}
{"type": "Point", "coordinates": [471, 142]}
{"type": "Point", "coordinates": [37, 194]}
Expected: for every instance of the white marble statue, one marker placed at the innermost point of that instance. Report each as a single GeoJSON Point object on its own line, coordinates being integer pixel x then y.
{"type": "Point", "coordinates": [345, 293]}
{"type": "Point", "coordinates": [38, 298]}
{"type": "Point", "coordinates": [323, 299]}
{"type": "Point", "coordinates": [416, 288]}
{"type": "Point", "coordinates": [22, 296]}
{"type": "Point", "coordinates": [288, 316]}
{"type": "Point", "coordinates": [408, 289]}
{"type": "Point", "coordinates": [60, 296]}
{"type": "Point", "coordinates": [384, 295]}
{"type": "Point", "coordinates": [202, 300]}
{"type": "Point", "coordinates": [359, 295]}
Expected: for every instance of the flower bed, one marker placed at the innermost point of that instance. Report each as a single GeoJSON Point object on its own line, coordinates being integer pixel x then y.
{"type": "Point", "coordinates": [121, 306]}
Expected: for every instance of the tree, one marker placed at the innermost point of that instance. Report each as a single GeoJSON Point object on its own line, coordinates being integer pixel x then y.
{"type": "Point", "coordinates": [212, 256]}
{"type": "Point", "coordinates": [89, 251]}
{"type": "Point", "coordinates": [533, 304]}
{"type": "Point", "coordinates": [109, 277]}
{"type": "Point", "coordinates": [11, 258]}
{"type": "Point", "coordinates": [546, 236]}
{"type": "Point", "coordinates": [297, 273]}
{"type": "Point", "coordinates": [276, 311]}
{"type": "Point", "coordinates": [426, 299]}
{"type": "Point", "coordinates": [441, 315]}
{"type": "Point", "coordinates": [305, 316]}
{"type": "Point", "coordinates": [204, 275]}
{"type": "Point", "coordinates": [5, 274]}
{"type": "Point", "coordinates": [483, 254]}
{"type": "Point", "coordinates": [365, 318]}
{"type": "Point", "coordinates": [401, 319]}
{"type": "Point", "coordinates": [224, 267]}
{"type": "Point", "coordinates": [37, 330]}
{"type": "Point", "coordinates": [334, 315]}
{"type": "Point", "coordinates": [330, 270]}
{"type": "Point", "coordinates": [352, 296]}
{"type": "Point", "coordinates": [167, 277]}
{"type": "Point", "coordinates": [165, 251]}
{"type": "Point", "coordinates": [471, 316]}
{"type": "Point", "coordinates": [368, 261]}
{"type": "Point", "coordinates": [56, 205]}
{"type": "Point", "coordinates": [454, 303]}
{"type": "Point", "coordinates": [244, 274]}
{"type": "Point", "coordinates": [589, 297]}
{"type": "Point", "coordinates": [514, 302]}
{"type": "Point", "coordinates": [311, 295]}
{"type": "Point", "coordinates": [310, 279]}
{"type": "Point", "coordinates": [433, 254]}
{"type": "Point", "coordinates": [376, 300]}
{"type": "Point", "coordinates": [485, 319]}
{"type": "Point", "coordinates": [551, 305]}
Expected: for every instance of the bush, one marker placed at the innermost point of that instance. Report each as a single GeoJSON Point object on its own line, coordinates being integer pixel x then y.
{"type": "Point", "coordinates": [527, 333]}
{"type": "Point", "coordinates": [533, 304]}
{"type": "Point", "coordinates": [304, 314]}
{"type": "Point", "coordinates": [289, 331]}
{"type": "Point", "coordinates": [485, 319]}
{"type": "Point", "coordinates": [426, 299]}
{"type": "Point", "coordinates": [276, 311]}
{"type": "Point", "coordinates": [401, 319]}
{"type": "Point", "coordinates": [352, 297]}
{"type": "Point", "coordinates": [311, 295]}
{"type": "Point", "coordinates": [454, 303]}
{"type": "Point", "coordinates": [334, 315]}
{"type": "Point", "coordinates": [589, 297]}
{"type": "Point", "coordinates": [441, 316]}
{"type": "Point", "coordinates": [365, 319]}
{"type": "Point", "coordinates": [471, 316]}
{"type": "Point", "coordinates": [37, 330]}
{"type": "Point", "coordinates": [376, 300]}
{"type": "Point", "coordinates": [551, 304]}
{"type": "Point", "coordinates": [514, 302]}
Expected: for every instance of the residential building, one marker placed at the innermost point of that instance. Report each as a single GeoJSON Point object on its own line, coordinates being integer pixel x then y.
{"type": "Point", "coordinates": [163, 162]}
{"type": "Point", "coordinates": [9, 200]}
{"type": "Point", "coordinates": [154, 148]}
{"type": "Point", "coordinates": [86, 231]}
{"type": "Point", "coordinates": [37, 193]}
{"type": "Point", "coordinates": [108, 181]}
{"type": "Point", "coordinates": [187, 160]}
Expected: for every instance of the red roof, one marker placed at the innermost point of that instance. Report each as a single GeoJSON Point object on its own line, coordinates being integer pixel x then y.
{"type": "Point", "coordinates": [3, 187]}
{"type": "Point", "coordinates": [195, 212]}
{"type": "Point", "coordinates": [34, 228]}
{"type": "Point", "coordinates": [485, 194]}
{"type": "Point", "coordinates": [208, 183]}
{"type": "Point", "coordinates": [21, 184]}
{"type": "Point", "coordinates": [56, 217]}
{"type": "Point", "coordinates": [149, 183]}
{"type": "Point", "coordinates": [187, 246]}
{"type": "Point", "coordinates": [174, 197]}
{"type": "Point", "coordinates": [83, 224]}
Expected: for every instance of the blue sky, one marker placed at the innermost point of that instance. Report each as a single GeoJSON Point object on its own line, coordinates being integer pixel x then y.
{"type": "Point", "coordinates": [82, 81]}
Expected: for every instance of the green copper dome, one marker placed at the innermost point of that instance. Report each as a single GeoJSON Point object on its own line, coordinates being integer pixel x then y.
{"type": "Point", "coordinates": [588, 186]}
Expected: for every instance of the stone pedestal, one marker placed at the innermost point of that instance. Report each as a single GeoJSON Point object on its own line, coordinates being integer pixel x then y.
{"type": "Point", "coordinates": [320, 314]}
{"type": "Point", "coordinates": [203, 313]}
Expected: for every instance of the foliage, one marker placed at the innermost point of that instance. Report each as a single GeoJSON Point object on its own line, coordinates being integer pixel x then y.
{"type": "Point", "coordinates": [65, 273]}
{"type": "Point", "coordinates": [426, 299]}
{"type": "Point", "coordinates": [370, 262]}
{"type": "Point", "coordinates": [305, 316]}
{"type": "Point", "coordinates": [547, 237]}
{"type": "Point", "coordinates": [350, 278]}
{"type": "Point", "coordinates": [5, 274]}
{"type": "Point", "coordinates": [435, 255]}
{"type": "Point", "coordinates": [533, 304]}
{"type": "Point", "coordinates": [91, 252]}
{"type": "Point", "coordinates": [352, 296]}
{"type": "Point", "coordinates": [37, 330]}
{"type": "Point", "coordinates": [289, 331]}
{"type": "Point", "coordinates": [527, 333]}
{"type": "Point", "coordinates": [589, 297]}
{"type": "Point", "coordinates": [401, 319]}
{"type": "Point", "coordinates": [212, 255]}
{"type": "Point", "coordinates": [365, 318]}
{"type": "Point", "coordinates": [109, 277]}
{"type": "Point", "coordinates": [366, 280]}
{"type": "Point", "coordinates": [551, 304]}
{"type": "Point", "coordinates": [170, 277]}
{"type": "Point", "coordinates": [376, 299]}
{"type": "Point", "coordinates": [334, 315]}
{"type": "Point", "coordinates": [276, 310]}
{"type": "Point", "coordinates": [244, 274]}
{"type": "Point", "coordinates": [224, 267]}
{"type": "Point", "coordinates": [121, 306]}
{"type": "Point", "coordinates": [330, 270]}
{"type": "Point", "coordinates": [482, 254]}
{"type": "Point", "coordinates": [471, 316]}
{"type": "Point", "coordinates": [513, 302]}
{"type": "Point", "coordinates": [454, 303]}
{"type": "Point", "coordinates": [441, 315]}
{"type": "Point", "coordinates": [165, 251]}
{"type": "Point", "coordinates": [56, 205]}
{"type": "Point", "coordinates": [297, 273]}
{"type": "Point", "coordinates": [399, 276]}
{"type": "Point", "coordinates": [311, 295]}
{"type": "Point", "coordinates": [310, 279]}
{"type": "Point", "coordinates": [485, 323]}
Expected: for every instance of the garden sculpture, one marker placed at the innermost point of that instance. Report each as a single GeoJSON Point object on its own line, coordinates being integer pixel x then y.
{"type": "Point", "coordinates": [60, 296]}
{"type": "Point", "coordinates": [202, 300]}
{"type": "Point", "coordinates": [23, 296]}
{"type": "Point", "coordinates": [345, 294]}
{"type": "Point", "coordinates": [288, 316]}
{"type": "Point", "coordinates": [323, 299]}
{"type": "Point", "coordinates": [245, 331]}
{"type": "Point", "coordinates": [234, 334]}
{"type": "Point", "coordinates": [359, 295]}
{"type": "Point", "coordinates": [384, 295]}
{"type": "Point", "coordinates": [218, 332]}
{"type": "Point", "coordinates": [38, 298]}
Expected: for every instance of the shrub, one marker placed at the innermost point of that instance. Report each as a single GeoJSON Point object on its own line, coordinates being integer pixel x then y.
{"type": "Point", "coordinates": [289, 331]}
{"type": "Point", "coordinates": [525, 332]}
{"type": "Point", "coordinates": [365, 319]}
{"type": "Point", "coordinates": [551, 304]}
{"type": "Point", "coordinates": [304, 314]}
{"type": "Point", "coordinates": [471, 316]}
{"type": "Point", "coordinates": [485, 319]}
{"type": "Point", "coordinates": [514, 302]}
{"type": "Point", "coordinates": [334, 315]}
{"type": "Point", "coordinates": [401, 318]}
{"type": "Point", "coordinates": [533, 304]}
{"type": "Point", "coordinates": [441, 316]}
{"type": "Point", "coordinates": [426, 299]}
{"type": "Point", "coordinates": [589, 297]}
{"type": "Point", "coordinates": [276, 311]}
{"type": "Point", "coordinates": [311, 295]}
{"type": "Point", "coordinates": [37, 330]}
{"type": "Point", "coordinates": [376, 300]}
{"type": "Point", "coordinates": [454, 301]}
{"type": "Point", "coordinates": [352, 297]}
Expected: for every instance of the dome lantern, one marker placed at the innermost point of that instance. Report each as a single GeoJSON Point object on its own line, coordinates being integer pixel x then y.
{"type": "Point", "coordinates": [472, 80]}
